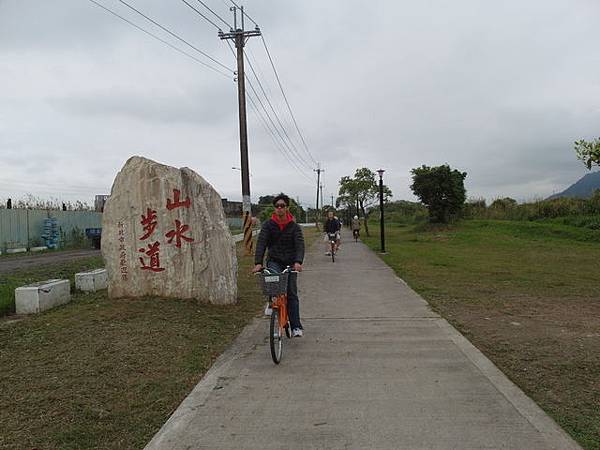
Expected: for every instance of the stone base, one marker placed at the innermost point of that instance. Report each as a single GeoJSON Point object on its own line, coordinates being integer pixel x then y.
{"type": "Point", "coordinates": [91, 281]}
{"type": "Point", "coordinates": [16, 250]}
{"type": "Point", "coordinates": [38, 249]}
{"type": "Point", "coordinates": [37, 297]}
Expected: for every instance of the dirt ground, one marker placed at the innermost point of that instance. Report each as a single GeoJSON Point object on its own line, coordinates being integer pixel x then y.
{"type": "Point", "coordinates": [11, 263]}
{"type": "Point", "coordinates": [549, 346]}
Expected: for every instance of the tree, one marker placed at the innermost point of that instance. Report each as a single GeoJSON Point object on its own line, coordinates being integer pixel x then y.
{"type": "Point", "coordinates": [266, 200]}
{"type": "Point", "coordinates": [268, 209]}
{"type": "Point", "coordinates": [441, 189]}
{"type": "Point", "coordinates": [361, 191]}
{"type": "Point", "coordinates": [504, 203]}
{"type": "Point", "coordinates": [588, 152]}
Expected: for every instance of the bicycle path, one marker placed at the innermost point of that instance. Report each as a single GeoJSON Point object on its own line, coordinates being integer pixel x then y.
{"type": "Point", "coordinates": [377, 369]}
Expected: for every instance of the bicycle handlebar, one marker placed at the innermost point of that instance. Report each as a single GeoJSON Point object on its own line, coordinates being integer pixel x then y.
{"type": "Point", "coordinates": [288, 269]}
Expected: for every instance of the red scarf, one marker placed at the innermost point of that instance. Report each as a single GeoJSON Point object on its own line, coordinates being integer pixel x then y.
{"type": "Point", "coordinates": [282, 222]}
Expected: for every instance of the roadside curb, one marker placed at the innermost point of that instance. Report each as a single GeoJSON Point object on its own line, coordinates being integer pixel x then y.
{"type": "Point", "coordinates": [530, 410]}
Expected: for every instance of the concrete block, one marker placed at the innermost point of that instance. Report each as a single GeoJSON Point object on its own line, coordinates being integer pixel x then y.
{"type": "Point", "coordinates": [37, 297]}
{"type": "Point", "coordinates": [91, 281]}
{"type": "Point", "coordinates": [16, 250]}
{"type": "Point", "coordinates": [38, 249]}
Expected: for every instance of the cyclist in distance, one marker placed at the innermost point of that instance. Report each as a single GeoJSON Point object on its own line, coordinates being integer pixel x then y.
{"type": "Point", "coordinates": [356, 227]}
{"type": "Point", "coordinates": [332, 226]}
{"type": "Point", "coordinates": [283, 241]}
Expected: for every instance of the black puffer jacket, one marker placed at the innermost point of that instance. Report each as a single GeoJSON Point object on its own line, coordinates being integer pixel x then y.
{"type": "Point", "coordinates": [285, 247]}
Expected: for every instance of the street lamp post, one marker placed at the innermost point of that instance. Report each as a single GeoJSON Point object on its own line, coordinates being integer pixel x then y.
{"type": "Point", "coordinates": [382, 232]}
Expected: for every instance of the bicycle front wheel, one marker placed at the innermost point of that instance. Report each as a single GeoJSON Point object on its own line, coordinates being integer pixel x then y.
{"type": "Point", "coordinates": [275, 337]}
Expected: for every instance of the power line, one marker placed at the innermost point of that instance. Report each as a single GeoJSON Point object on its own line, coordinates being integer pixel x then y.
{"type": "Point", "coordinates": [177, 49]}
{"type": "Point", "coordinates": [286, 100]}
{"type": "Point", "coordinates": [286, 149]}
{"type": "Point", "coordinates": [214, 13]}
{"type": "Point", "coordinates": [277, 118]}
{"type": "Point", "coordinates": [273, 137]}
{"type": "Point", "coordinates": [176, 36]}
{"type": "Point", "coordinates": [286, 145]}
{"type": "Point", "coordinates": [202, 15]}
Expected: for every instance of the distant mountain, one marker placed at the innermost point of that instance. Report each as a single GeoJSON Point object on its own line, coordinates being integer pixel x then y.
{"type": "Point", "coordinates": [582, 188]}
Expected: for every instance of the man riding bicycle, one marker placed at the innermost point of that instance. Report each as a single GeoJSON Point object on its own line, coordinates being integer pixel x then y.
{"type": "Point", "coordinates": [282, 237]}
{"type": "Point", "coordinates": [332, 227]}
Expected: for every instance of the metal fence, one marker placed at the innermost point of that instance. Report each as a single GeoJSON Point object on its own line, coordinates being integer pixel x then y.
{"type": "Point", "coordinates": [24, 227]}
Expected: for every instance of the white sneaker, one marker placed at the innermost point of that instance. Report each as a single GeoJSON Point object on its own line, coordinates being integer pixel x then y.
{"type": "Point", "coordinates": [297, 332]}
{"type": "Point", "coordinates": [268, 310]}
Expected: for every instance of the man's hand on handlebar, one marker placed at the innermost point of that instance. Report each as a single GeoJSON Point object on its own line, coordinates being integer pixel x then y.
{"type": "Point", "coordinates": [297, 267]}
{"type": "Point", "coordinates": [257, 268]}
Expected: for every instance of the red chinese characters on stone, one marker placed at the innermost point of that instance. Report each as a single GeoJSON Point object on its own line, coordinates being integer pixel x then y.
{"type": "Point", "coordinates": [148, 223]}
{"type": "Point", "coordinates": [177, 234]}
{"type": "Point", "coordinates": [176, 203]}
{"type": "Point", "coordinates": [153, 253]}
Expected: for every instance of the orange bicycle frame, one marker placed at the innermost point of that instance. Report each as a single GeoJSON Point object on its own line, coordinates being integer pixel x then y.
{"type": "Point", "coordinates": [280, 303]}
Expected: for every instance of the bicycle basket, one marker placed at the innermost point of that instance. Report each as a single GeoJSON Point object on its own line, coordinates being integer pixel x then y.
{"type": "Point", "coordinates": [274, 283]}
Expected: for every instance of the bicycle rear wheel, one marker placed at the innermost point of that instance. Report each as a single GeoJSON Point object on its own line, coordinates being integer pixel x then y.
{"type": "Point", "coordinates": [275, 337]}
{"type": "Point", "coordinates": [332, 252]}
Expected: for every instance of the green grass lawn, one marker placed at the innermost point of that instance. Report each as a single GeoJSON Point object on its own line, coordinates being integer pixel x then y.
{"type": "Point", "coordinates": [106, 374]}
{"type": "Point", "coordinates": [526, 294]}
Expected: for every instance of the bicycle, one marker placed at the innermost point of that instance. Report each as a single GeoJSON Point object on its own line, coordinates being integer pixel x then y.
{"type": "Point", "coordinates": [332, 240]}
{"type": "Point", "coordinates": [355, 233]}
{"type": "Point", "coordinates": [274, 286]}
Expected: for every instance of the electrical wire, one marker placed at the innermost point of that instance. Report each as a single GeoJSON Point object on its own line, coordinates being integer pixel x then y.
{"type": "Point", "coordinates": [272, 135]}
{"type": "Point", "coordinates": [176, 36]}
{"type": "Point", "coordinates": [278, 145]}
{"type": "Point", "coordinates": [202, 15]}
{"type": "Point", "coordinates": [286, 100]}
{"type": "Point", "coordinates": [293, 146]}
{"type": "Point", "coordinates": [177, 49]}
{"type": "Point", "coordinates": [288, 153]}
{"type": "Point", "coordinates": [269, 117]}
{"type": "Point", "coordinates": [215, 14]}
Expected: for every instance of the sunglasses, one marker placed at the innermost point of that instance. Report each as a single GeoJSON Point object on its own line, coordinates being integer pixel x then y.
{"type": "Point", "coordinates": [280, 205]}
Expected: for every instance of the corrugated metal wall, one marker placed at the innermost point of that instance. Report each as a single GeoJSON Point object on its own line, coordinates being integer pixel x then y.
{"type": "Point", "coordinates": [24, 227]}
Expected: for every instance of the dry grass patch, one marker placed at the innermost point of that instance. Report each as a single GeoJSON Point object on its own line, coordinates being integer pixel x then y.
{"type": "Point", "coordinates": [101, 373]}
{"type": "Point", "coordinates": [527, 295]}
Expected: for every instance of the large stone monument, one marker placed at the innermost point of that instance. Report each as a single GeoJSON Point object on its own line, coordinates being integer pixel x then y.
{"type": "Point", "coordinates": [164, 234]}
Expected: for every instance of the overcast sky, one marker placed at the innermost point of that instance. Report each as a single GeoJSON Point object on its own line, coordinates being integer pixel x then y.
{"type": "Point", "coordinates": [497, 89]}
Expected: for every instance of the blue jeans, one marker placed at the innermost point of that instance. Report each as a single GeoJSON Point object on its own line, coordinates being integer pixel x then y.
{"type": "Point", "coordinates": [293, 302]}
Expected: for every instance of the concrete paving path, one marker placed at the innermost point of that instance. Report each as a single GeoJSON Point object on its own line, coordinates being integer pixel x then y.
{"type": "Point", "coordinates": [377, 369]}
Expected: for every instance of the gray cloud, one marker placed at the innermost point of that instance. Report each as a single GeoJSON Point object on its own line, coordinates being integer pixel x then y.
{"type": "Point", "coordinates": [181, 106]}
{"type": "Point", "coordinates": [500, 90]}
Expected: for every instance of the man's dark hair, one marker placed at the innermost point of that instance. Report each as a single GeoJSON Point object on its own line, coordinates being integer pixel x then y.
{"type": "Point", "coordinates": [283, 197]}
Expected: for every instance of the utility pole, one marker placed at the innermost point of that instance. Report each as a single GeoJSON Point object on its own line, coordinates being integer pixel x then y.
{"type": "Point", "coordinates": [321, 186]}
{"type": "Point", "coordinates": [332, 201]}
{"type": "Point", "coordinates": [318, 170]}
{"type": "Point", "coordinates": [239, 36]}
